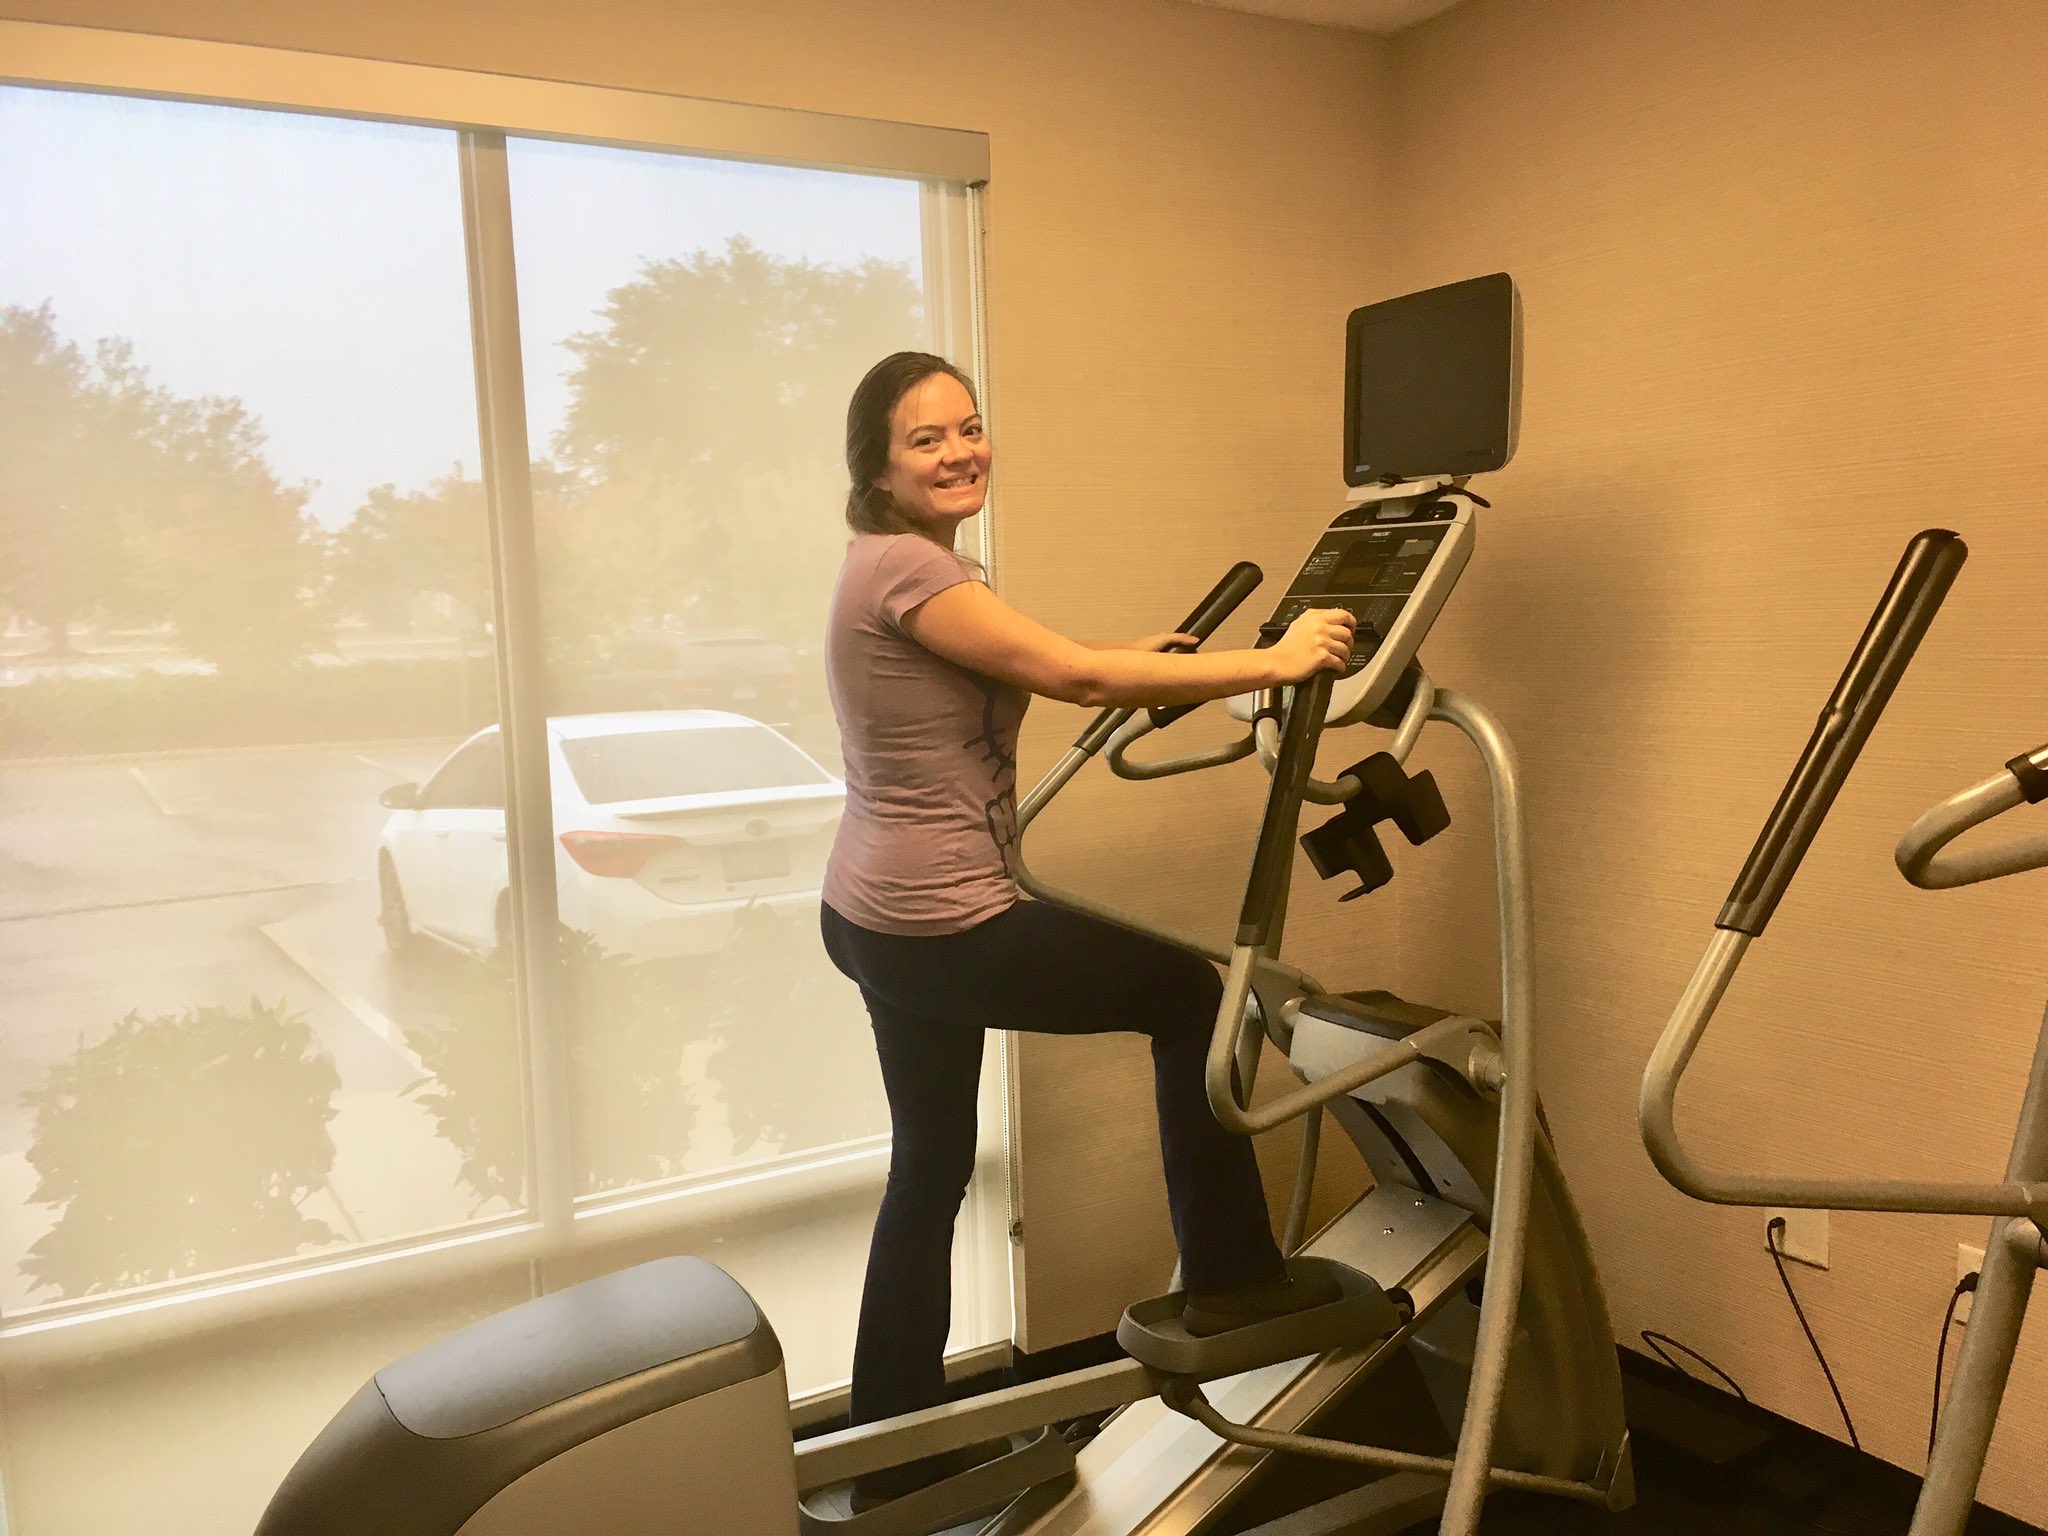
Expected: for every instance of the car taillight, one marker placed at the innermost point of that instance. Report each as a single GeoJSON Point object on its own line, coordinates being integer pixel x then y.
{"type": "Point", "coordinates": [617, 854]}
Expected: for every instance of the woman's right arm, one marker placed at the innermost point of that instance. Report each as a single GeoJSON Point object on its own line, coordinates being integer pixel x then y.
{"type": "Point", "coordinates": [968, 624]}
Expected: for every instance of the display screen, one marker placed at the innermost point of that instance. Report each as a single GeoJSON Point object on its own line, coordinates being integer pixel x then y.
{"type": "Point", "coordinates": [1384, 561]}
{"type": "Point", "coordinates": [1433, 382]}
{"type": "Point", "coordinates": [1369, 566]}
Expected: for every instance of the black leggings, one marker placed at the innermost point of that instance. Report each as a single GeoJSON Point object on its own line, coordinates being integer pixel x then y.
{"type": "Point", "coordinates": [1048, 970]}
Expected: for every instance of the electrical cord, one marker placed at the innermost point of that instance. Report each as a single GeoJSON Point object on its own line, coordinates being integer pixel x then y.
{"type": "Point", "coordinates": [1963, 1288]}
{"type": "Point", "coordinates": [1772, 1233]}
{"type": "Point", "coordinates": [1657, 1341]}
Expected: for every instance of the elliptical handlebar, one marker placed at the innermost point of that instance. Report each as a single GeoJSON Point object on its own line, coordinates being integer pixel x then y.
{"type": "Point", "coordinates": [1224, 599]}
{"type": "Point", "coordinates": [1921, 857]}
{"type": "Point", "coordinates": [1910, 601]}
{"type": "Point", "coordinates": [1924, 575]}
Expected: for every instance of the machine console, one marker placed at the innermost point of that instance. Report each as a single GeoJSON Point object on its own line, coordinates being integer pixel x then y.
{"type": "Point", "coordinates": [1391, 558]}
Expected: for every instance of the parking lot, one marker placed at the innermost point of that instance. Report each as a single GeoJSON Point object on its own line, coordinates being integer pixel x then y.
{"type": "Point", "coordinates": [163, 884]}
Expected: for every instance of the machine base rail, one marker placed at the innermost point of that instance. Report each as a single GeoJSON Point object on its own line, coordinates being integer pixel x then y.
{"type": "Point", "coordinates": [1032, 1460]}
{"type": "Point", "coordinates": [847, 1453]}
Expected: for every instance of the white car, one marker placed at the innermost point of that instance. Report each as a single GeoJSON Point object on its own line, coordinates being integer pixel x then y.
{"type": "Point", "coordinates": [667, 822]}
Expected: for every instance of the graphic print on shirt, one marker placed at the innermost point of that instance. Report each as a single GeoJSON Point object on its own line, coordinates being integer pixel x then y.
{"type": "Point", "coordinates": [1001, 810]}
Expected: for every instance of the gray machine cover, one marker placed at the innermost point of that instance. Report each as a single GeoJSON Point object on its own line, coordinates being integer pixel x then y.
{"type": "Point", "coordinates": [430, 1438]}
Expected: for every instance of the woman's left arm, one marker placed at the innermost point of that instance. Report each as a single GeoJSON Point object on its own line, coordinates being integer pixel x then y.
{"type": "Point", "coordinates": [1165, 642]}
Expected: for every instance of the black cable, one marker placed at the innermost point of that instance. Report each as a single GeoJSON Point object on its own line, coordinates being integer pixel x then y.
{"type": "Point", "coordinates": [1963, 1288]}
{"type": "Point", "coordinates": [1777, 1225]}
{"type": "Point", "coordinates": [1657, 1340]}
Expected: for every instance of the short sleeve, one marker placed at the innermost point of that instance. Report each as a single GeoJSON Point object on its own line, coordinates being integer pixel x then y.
{"type": "Point", "coordinates": [912, 570]}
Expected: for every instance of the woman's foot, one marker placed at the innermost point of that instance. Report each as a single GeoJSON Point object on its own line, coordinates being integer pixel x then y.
{"type": "Point", "coordinates": [1207, 1313]}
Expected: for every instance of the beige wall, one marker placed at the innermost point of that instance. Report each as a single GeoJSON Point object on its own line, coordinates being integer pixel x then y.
{"type": "Point", "coordinates": [1786, 303]}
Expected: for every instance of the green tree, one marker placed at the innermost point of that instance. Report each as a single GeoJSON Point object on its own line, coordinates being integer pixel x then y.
{"type": "Point", "coordinates": [227, 552]}
{"type": "Point", "coordinates": [120, 497]}
{"type": "Point", "coordinates": [178, 1145]}
{"type": "Point", "coordinates": [705, 432]}
{"type": "Point", "coordinates": [54, 510]}
{"type": "Point", "coordinates": [402, 545]}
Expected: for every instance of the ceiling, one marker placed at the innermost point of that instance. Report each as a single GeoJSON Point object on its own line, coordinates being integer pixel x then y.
{"type": "Point", "coordinates": [1381, 16]}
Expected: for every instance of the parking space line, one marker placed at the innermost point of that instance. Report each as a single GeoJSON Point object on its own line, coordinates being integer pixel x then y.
{"type": "Point", "coordinates": [167, 901]}
{"type": "Point", "coordinates": [358, 1006]}
{"type": "Point", "coordinates": [149, 793]}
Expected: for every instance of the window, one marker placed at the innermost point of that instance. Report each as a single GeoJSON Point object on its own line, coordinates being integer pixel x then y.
{"type": "Point", "coordinates": [277, 1048]}
{"type": "Point", "coordinates": [246, 593]}
{"type": "Point", "coordinates": [473, 778]}
{"type": "Point", "coordinates": [709, 760]}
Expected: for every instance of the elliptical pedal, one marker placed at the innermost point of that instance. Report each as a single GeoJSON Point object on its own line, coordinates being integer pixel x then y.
{"type": "Point", "coordinates": [1153, 1333]}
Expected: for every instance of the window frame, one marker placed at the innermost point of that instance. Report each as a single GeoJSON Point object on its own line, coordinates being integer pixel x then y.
{"type": "Point", "coordinates": [951, 168]}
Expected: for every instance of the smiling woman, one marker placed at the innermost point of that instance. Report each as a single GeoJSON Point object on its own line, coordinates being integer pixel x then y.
{"type": "Point", "coordinates": [930, 673]}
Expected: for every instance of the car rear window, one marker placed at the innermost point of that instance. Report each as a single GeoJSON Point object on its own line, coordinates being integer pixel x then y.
{"type": "Point", "coordinates": [652, 765]}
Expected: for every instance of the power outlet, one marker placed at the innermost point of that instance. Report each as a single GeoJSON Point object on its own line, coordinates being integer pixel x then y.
{"type": "Point", "coordinates": [1969, 1261]}
{"type": "Point", "coordinates": [1805, 1238]}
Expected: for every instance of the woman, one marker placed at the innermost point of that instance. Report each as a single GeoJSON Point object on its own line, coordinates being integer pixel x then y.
{"type": "Point", "coordinates": [929, 673]}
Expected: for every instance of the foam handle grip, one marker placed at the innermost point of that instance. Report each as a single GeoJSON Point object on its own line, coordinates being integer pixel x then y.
{"type": "Point", "coordinates": [1925, 573]}
{"type": "Point", "coordinates": [1238, 584]}
{"type": "Point", "coordinates": [1223, 600]}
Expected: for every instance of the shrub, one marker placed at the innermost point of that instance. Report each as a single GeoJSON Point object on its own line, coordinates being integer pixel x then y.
{"type": "Point", "coordinates": [181, 1144]}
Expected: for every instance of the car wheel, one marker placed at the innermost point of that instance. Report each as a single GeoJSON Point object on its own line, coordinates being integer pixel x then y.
{"type": "Point", "coordinates": [391, 914]}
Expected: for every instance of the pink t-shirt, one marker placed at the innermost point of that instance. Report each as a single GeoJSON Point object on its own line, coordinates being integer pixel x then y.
{"type": "Point", "coordinates": [928, 842]}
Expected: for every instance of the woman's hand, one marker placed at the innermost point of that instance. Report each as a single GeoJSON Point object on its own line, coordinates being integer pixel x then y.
{"type": "Point", "coordinates": [1320, 639]}
{"type": "Point", "coordinates": [1166, 642]}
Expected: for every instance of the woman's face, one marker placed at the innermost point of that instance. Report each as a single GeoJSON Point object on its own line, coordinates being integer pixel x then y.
{"type": "Point", "coordinates": [938, 454]}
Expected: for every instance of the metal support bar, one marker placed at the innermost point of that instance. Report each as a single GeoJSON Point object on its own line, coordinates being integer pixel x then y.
{"type": "Point", "coordinates": [1514, 1166]}
{"type": "Point", "coordinates": [1185, 1396]}
{"type": "Point", "coordinates": [2011, 1259]}
{"type": "Point", "coordinates": [1296, 1229]}
{"type": "Point", "coordinates": [1140, 725]}
{"type": "Point", "coordinates": [1314, 791]}
{"type": "Point", "coordinates": [522, 709]}
{"type": "Point", "coordinates": [1982, 1368]}
{"type": "Point", "coordinates": [1414, 719]}
{"type": "Point", "coordinates": [1225, 1044]}
{"type": "Point", "coordinates": [1656, 1115]}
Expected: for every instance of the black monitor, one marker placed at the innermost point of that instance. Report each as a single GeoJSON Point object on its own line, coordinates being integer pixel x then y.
{"type": "Point", "coordinates": [1433, 382]}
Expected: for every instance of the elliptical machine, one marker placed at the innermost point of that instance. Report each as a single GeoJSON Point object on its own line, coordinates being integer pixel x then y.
{"type": "Point", "coordinates": [2016, 1249]}
{"type": "Point", "coordinates": [653, 1400]}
